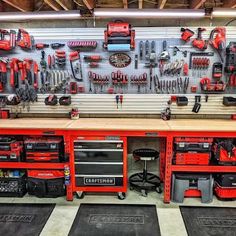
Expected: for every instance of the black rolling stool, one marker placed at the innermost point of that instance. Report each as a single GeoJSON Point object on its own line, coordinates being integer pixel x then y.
{"type": "Point", "coordinates": [144, 182]}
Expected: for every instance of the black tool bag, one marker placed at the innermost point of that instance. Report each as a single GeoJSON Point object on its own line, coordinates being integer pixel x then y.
{"type": "Point", "coordinates": [42, 186]}
{"type": "Point", "coordinates": [51, 100]}
{"type": "Point", "coordinates": [65, 100]}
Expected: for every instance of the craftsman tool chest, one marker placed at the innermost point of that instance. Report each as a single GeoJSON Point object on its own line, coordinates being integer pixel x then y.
{"type": "Point", "coordinates": [98, 162]}
{"type": "Point", "coordinates": [44, 149]}
{"type": "Point", "coordinates": [12, 183]}
{"type": "Point", "coordinates": [225, 186]}
{"type": "Point", "coordinates": [192, 151]}
{"type": "Point", "coordinates": [46, 183]}
{"type": "Point", "coordinates": [10, 149]}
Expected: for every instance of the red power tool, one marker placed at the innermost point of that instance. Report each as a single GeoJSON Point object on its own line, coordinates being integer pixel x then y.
{"type": "Point", "coordinates": [186, 34]}
{"type": "Point", "coordinates": [24, 40]}
{"type": "Point", "coordinates": [199, 42]}
{"type": "Point", "coordinates": [218, 40]}
{"type": "Point", "coordinates": [10, 43]}
{"type": "Point", "coordinates": [119, 33]}
{"type": "Point", "coordinates": [14, 79]}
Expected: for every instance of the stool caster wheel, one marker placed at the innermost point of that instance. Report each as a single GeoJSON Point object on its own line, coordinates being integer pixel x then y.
{"type": "Point", "coordinates": [80, 195]}
{"type": "Point", "coordinates": [159, 190]}
{"type": "Point", "coordinates": [121, 196]}
{"type": "Point", "coordinates": [131, 188]}
{"type": "Point", "coordinates": [144, 192]}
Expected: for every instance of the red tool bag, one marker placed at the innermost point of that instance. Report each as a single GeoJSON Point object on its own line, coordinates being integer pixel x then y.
{"type": "Point", "coordinates": [46, 183]}
{"type": "Point", "coordinates": [225, 151]}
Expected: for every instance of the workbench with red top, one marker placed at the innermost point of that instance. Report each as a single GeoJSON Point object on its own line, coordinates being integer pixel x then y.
{"type": "Point", "coordinates": [123, 128]}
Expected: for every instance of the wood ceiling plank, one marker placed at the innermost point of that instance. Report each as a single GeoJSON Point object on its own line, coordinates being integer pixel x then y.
{"type": "Point", "coordinates": [54, 5]}
{"type": "Point", "coordinates": [195, 4]}
{"type": "Point", "coordinates": [162, 3]}
{"type": "Point", "coordinates": [229, 4]}
{"type": "Point", "coordinates": [23, 5]}
{"type": "Point", "coordinates": [125, 3]}
{"type": "Point", "coordinates": [90, 4]}
{"type": "Point", "coordinates": [66, 4]}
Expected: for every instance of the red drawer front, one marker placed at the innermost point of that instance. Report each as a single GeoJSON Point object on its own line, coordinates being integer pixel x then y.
{"type": "Point", "coordinates": [191, 158]}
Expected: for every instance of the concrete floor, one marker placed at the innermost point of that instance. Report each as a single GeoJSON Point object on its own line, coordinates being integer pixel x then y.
{"type": "Point", "coordinates": [61, 219]}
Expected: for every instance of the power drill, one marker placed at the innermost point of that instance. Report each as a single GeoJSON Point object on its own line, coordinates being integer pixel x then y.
{"type": "Point", "coordinates": [199, 42]}
{"type": "Point", "coordinates": [186, 34]}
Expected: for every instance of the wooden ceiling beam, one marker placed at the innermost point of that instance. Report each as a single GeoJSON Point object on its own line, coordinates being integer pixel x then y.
{"type": "Point", "coordinates": [229, 4]}
{"type": "Point", "coordinates": [23, 5]}
{"type": "Point", "coordinates": [140, 4]}
{"type": "Point", "coordinates": [125, 3]}
{"type": "Point", "coordinates": [162, 4]}
{"type": "Point", "coordinates": [195, 4]}
{"type": "Point", "coordinates": [54, 5]}
{"type": "Point", "coordinates": [90, 4]}
{"type": "Point", "coordinates": [66, 4]}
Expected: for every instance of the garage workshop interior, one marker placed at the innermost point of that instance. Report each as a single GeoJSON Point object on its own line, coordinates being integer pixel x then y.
{"type": "Point", "coordinates": [118, 117]}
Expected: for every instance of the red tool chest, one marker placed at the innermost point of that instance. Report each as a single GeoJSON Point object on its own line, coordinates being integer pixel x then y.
{"type": "Point", "coordinates": [45, 149]}
{"type": "Point", "coordinates": [192, 151]}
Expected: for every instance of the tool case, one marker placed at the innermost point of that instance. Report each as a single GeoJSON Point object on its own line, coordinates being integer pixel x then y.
{"type": "Point", "coordinates": [47, 149]}
{"type": "Point", "coordinates": [225, 186]}
{"type": "Point", "coordinates": [193, 144]}
{"type": "Point", "coordinates": [46, 183]}
{"type": "Point", "coordinates": [12, 184]}
{"type": "Point", "coordinates": [225, 151]}
{"type": "Point", "coordinates": [10, 149]}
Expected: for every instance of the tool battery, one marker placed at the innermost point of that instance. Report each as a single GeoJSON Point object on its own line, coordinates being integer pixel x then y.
{"type": "Point", "coordinates": [225, 186]}
{"type": "Point", "coordinates": [10, 149]}
{"type": "Point", "coordinates": [44, 149]}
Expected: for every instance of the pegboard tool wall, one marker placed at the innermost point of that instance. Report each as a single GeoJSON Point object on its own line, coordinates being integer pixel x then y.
{"type": "Point", "coordinates": [134, 103]}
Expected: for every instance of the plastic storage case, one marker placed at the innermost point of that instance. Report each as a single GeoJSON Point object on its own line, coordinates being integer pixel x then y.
{"type": "Point", "coordinates": [12, 186]}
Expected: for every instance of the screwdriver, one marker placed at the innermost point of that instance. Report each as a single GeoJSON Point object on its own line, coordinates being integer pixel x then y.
{"type": "Point", "coordinates": [121, 100]}
{"type": "Point", "coordinates": [117, 101]}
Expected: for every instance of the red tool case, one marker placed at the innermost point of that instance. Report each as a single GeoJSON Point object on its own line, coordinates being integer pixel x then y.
{"type": "Point", "coordinates": [48, 149]}
{"type": "Point", "coordinates": [225, 186]}
{"type": "Point", "coordinates": [192, 151]}
{"type": "Point", "coordinates": [10, 149]}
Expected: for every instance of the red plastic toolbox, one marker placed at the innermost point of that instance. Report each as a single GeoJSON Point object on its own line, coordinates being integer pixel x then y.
{"type": "Point", "coordinates": [192, 158]}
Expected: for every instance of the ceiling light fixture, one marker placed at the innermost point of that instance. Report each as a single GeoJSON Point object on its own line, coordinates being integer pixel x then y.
{"type": "Point", "coordinates": [149, 13]}
{"type": "Point", "coordinates": [44, 15]}
{"type": "Point", "coordinates": [224, 12]}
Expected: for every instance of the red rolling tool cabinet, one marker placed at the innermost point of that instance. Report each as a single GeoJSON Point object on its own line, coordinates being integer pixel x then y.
{"type": "Point", "coordinates": [99, 164]}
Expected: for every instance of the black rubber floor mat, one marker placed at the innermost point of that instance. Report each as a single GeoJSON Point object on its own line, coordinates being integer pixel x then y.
{"type": "Point", "coordinates": [209, 221]}
{"type": "Point", "coordinates": [115, 220]}
{"type": "Point", "coordinates": [23, 219]}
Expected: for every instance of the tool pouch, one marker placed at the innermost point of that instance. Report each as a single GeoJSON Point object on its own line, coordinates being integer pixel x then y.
{"type": "Point", "coordinates": [51, 100]}
{"type": "Point", "coordinates": [182, 101]}
{"type": "Point", "coordinates": [65, 100]}
{"type": "Point", "coordinates": [12, 100]}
